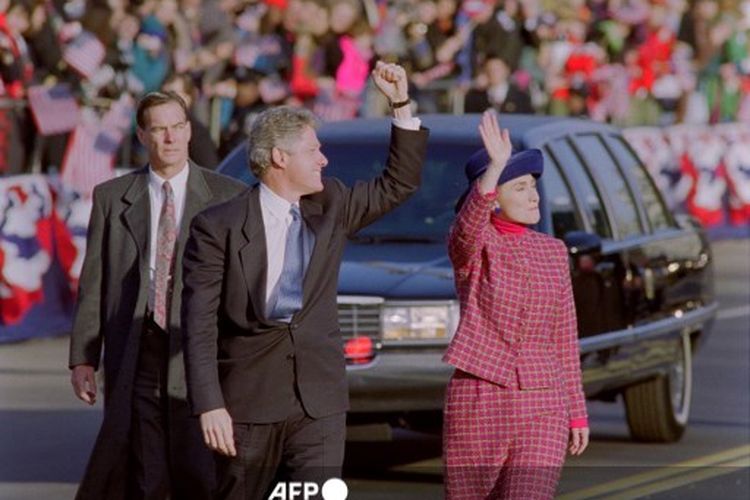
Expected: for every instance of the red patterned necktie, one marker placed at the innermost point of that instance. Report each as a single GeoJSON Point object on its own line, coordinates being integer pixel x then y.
{"type": "Point", "coordinates": [166, 236]}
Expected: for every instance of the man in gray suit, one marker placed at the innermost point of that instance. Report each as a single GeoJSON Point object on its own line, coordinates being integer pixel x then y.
{"type": "Point", "coordinates": [149, 447]}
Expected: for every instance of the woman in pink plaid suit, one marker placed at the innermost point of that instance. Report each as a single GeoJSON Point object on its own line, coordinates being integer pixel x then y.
{"type": "Point", "coordinates": [515, 401]}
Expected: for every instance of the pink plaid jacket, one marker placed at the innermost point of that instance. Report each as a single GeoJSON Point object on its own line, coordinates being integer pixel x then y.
{"type": "Point", "coordinates": [517, 310]}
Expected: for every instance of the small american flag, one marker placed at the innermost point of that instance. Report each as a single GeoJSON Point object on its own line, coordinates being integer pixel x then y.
{"type": "Point", "coordinates": [93, 147]}
{"type": "Point", "coordinates": [54, 109]}
{"type": "Point", "coordinates": [84, 53]}
{"type": "Point", "coordinates": [86, 162]}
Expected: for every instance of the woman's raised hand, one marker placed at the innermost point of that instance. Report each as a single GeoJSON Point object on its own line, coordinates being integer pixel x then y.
{"type": "Point", "coordinates": [496, 140]}
{"type": "Point", "coordinates": [497, 143]}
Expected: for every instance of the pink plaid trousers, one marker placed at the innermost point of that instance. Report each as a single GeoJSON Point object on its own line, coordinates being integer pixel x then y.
{"type": "Point", "coordinates": [502, 442]}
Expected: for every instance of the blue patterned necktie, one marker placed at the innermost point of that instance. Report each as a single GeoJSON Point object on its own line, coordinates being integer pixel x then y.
{"type": "Point", "coordinates": [289, 297]}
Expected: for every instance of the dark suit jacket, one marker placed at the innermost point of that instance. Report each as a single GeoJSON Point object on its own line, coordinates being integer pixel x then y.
{"type": "Point", "coordinates": [237, 357]}
{"type": "Point", "coordinates": [517, 101]}
{"type": "Point", "coordinates": [112, 298]}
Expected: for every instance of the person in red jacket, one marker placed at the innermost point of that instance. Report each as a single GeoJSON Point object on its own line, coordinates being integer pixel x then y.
{"type": "Point", "coordinates": [515, 401]}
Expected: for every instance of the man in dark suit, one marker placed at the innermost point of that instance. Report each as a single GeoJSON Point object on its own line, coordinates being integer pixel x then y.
{"type": "Point", "coordinates": [149, 445]}
{"type": "Point", "coordinates": [497, 88]}
{"type": "Point", "coordinates": [263, 352]}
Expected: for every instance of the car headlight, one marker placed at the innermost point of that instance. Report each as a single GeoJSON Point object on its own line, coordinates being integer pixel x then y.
{"type": "Point", "coordinates": [424, 321]}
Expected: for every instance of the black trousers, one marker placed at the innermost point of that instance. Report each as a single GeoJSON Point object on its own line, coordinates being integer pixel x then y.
{"type": "Point", "coordinates": [300, 448]}
{"type": "Point", "coordinates": [160, 469]}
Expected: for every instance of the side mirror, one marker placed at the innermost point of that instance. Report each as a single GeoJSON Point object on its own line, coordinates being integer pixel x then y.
{"type": "Point", "coordinates": [582, 243]}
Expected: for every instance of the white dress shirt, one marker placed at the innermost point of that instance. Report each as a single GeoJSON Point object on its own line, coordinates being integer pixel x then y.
{"type": "Point", "coordinates": [156, 200]}
{"type": "Point", "coordinates": [412, 123]}
{"type": "Point", "coordinates": [276, 222]}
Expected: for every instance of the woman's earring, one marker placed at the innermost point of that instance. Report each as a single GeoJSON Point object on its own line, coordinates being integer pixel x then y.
{"type": "Point", "coordinates": [496, 209]}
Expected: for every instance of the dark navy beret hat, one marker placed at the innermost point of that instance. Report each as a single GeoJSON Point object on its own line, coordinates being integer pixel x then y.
{"type": "Point", "coordinates": [529, 161]}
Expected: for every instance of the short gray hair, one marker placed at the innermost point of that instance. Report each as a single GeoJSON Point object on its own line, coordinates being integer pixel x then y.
{"type": "Point", "coordinates": [275, 127]}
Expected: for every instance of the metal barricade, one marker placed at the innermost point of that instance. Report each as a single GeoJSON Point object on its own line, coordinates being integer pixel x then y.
{"type": "Point", "coordinates": [451, 95]}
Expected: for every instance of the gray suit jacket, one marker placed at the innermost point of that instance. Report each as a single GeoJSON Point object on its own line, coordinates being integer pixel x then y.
{"type": "Point", "coordinates": [112, 299]}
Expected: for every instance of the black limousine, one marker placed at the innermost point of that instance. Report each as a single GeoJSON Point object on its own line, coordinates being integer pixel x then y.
{"type": "Point", "coordinates": [642, 276]}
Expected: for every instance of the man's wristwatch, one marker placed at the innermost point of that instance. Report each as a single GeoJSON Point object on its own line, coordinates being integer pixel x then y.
{"type": "Point", "coordinates": [400, 104]}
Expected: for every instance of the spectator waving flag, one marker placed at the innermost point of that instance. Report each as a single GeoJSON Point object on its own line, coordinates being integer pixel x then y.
{"type": "Point", "coordinates": [54, 109]}
{"type": "Point", "coordinates": [84, 53]}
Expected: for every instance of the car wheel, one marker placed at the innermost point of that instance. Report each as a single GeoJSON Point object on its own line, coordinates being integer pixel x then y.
{"type": "Point", "coordinates": [658, 409]}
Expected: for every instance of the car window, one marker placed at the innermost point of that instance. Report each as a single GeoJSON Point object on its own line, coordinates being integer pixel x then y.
{"type": "Point", "coordinates": [559, 200]}
{"type": "Point", "coordinates": [428, 213]}
{"type": "Point", "coordinates": [656, 210]}
{"type": "Point", "coordinates": [583, 185]}
{"type": "Point", "coordinates": [624, 209]}
{"type": "Point", "coordinates": [425, 216]}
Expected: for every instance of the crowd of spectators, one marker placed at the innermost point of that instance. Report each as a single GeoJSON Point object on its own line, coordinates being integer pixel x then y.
{"type": "Point", "coordinates": [629, 62]}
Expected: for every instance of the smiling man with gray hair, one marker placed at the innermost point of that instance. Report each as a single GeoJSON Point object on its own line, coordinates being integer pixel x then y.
{"type": "Point", "coordinates": [265, 364]}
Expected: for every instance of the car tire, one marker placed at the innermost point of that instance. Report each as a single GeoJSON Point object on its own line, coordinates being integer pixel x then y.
{"type": "Point", "coordinates": [658, 409]}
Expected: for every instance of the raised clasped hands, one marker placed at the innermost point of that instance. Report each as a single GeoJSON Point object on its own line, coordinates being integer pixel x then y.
{"type": "Point", "coordinates": [391, 81]}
